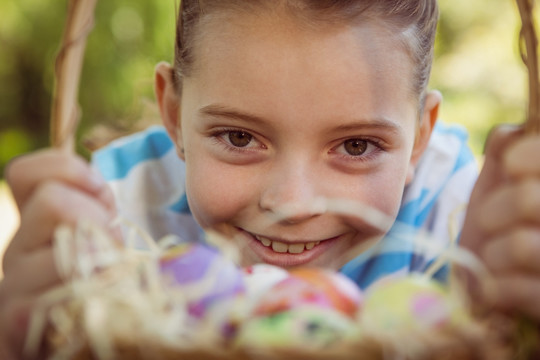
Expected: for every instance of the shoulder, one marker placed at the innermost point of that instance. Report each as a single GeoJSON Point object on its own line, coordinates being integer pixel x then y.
{"type": "Point", "coordinates": [448, 148]}
{"type": "Point", "coordinates": [118, 158]}
{"type": "Point", "coordinates": [447, 154]}
{"type": "Point", "coordinates": [147, 179]}
{"type": "Point", "coordinates": [434, 204]}
{"type": "Point", "coordinates": [446, 173]}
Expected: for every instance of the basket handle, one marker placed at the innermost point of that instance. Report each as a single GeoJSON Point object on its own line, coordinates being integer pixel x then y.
{"type": "Point", "coordinates": [528, 42]}
{"type": "Point", "coordinates": [65, 112]}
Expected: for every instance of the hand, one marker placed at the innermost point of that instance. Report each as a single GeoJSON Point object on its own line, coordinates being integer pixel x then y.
{"type": "Point", "coordinates": [503, 220]}
{"type": "Point", "coordinates": [49, 187]}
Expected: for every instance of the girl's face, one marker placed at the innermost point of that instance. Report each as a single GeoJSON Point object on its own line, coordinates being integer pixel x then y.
{"type": "Point", "coordinates": [277, 114]}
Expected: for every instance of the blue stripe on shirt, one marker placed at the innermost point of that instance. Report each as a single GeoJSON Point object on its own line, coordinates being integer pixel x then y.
{"type": "Point", "coordinates": [408, 213]}
{"type": "Point", "coordinates": [181, 206]}
{"type": "Point", "coordinates": [465, 157]}
{"type": "Point", "coordinates": [454, 129]}
{"type": "Point", "coordinates": [116, 161]}
{"type": "Point", "coordinates": [412, 213]}
{"type": "Point", "coordinates": [376, 267]}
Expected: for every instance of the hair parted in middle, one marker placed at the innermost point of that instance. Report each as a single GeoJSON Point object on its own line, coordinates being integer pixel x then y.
{"type": "Point", "coordinates": [414, 22]}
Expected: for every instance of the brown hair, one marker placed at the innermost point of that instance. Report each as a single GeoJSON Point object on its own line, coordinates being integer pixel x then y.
{"type": "Point", "coordinates": [415, 20]}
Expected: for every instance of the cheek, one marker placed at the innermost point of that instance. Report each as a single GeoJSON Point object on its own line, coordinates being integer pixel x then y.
{"type": "Point", "coordinates": [216, 192]}
{"type": "Point", "coordinates": [391, 193]}
{"type": "Point", "coordinates": [384, 189]}
{"type": "Point", "coordinates": [392, 179]}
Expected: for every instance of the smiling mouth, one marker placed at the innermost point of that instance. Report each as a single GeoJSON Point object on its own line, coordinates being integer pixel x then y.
{"type": "Point", "coordinates": [282, 248]}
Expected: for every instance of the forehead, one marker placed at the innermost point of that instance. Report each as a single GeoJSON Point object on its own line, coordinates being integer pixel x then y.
{"type": "Point", "coordinates": [224, 28]}
{"type": "Point", "coordinates": [301, 64]}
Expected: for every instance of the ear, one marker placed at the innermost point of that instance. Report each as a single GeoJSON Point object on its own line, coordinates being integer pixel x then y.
{"type": "Point", "coordinates": [169, 104]}
{"type": "Point", "coordinates": [429, 118]}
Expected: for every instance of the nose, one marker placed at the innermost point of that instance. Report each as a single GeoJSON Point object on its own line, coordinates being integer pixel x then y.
{"type": "Point", "coordinates": [292, 192]}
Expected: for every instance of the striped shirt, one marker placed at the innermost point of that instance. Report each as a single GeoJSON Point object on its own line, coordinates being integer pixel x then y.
{"type": "Point", "coordinates": [147, 179]}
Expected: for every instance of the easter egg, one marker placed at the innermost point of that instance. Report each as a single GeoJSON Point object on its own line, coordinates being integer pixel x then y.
{"type": "Point", "coordinates": [306, 327]}
{"type": "Point", "coordinates": [314, 287]}
{"type": "Point", "coordinates": [412, 302]}
{"type": "Point", "coordinates": [204, 276]}
{"type": "Point", "coordinates": [259, 278]}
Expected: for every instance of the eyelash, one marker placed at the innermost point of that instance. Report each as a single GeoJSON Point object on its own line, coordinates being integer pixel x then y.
{"type": "Point", "coordinates": [218, 135]}
{"type": "Point", "coordinates": [368, 155]}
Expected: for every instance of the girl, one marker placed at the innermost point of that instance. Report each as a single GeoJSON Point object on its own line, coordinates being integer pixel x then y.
{"type": "Point", "coordinates": [274, 107]}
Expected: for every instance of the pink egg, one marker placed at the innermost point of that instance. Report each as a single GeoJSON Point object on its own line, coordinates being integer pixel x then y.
{"type": "Point", "coordinates": [259, 278]}
{"type": "Point", "coordinates": [312, 287]}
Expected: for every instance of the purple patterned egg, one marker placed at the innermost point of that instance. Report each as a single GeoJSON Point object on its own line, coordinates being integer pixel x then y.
{"type": "Point", "coordinates": [207, 277]}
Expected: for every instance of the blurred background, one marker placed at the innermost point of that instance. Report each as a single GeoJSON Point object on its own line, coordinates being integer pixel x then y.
{"type": "Point", "coordinates": [477, 68]}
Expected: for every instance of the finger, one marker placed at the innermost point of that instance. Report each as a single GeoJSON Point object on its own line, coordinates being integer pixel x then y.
{"type": "Point", "coordinates": [499, 139]}
{"type": "Point", "coordinates": [54, 203]}
{"type": "Point", "coordinates": [15, 315]}
{"type": "Point", "coordinates": [518, 160]}
{"type": "Point", "coordinates": [518, 292]}
{"type": "Point", "coordinates": [32, 273]}
{"type": "Point", "coordinates": [5, 353]}
{"type": "Point", "coordinates": [491, 177]}
{"type": "Point", "coordinates": [511, 206]}
{"type": "Point", "coordinates": [25, 173]}
{"type": "Point", "coordinates": [107, 199]}
{"type": "Point", "coordinates": [516, 250]}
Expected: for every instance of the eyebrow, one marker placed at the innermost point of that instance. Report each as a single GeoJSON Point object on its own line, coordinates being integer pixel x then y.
{"type": "Point", "coordinates": [223, 111]}
{"type": "Point", "coordinates": [374, 123]}
{"type": "Point", "coordinates": [382, 123]}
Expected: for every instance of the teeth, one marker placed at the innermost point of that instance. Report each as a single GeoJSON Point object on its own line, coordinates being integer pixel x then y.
{"type": "Point", "coordinates": [279, 247]}
{"type": "Point", "coordinates": [296, 248]}
{"type": "Point", "coordinates": [282, 248]}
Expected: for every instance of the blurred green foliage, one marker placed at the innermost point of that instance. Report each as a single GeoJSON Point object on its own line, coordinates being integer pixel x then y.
{"type": "Point", "coordinates": [129, 38]}
{"type": "Point", "coordinates": [477, 66]}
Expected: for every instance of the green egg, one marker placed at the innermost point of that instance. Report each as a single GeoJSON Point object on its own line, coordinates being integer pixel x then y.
{"type": "Point", "coordinates": [306, 327]}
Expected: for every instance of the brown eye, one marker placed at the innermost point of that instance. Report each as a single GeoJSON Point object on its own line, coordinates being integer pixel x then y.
{"type": "Point", "coordinates": [240, 138]}
{"type": "Point", "coordinates": [355, 147]}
